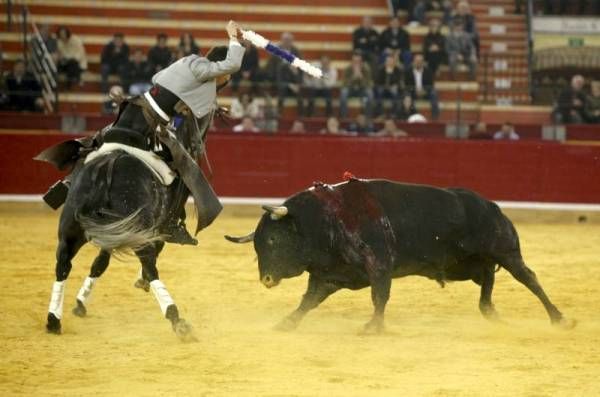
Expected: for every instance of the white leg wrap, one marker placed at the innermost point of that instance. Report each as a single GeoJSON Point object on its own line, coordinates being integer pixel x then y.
{"type": "Point", "coordinates": [162, 295]}
{"type": "Point", "coordinates": [57, 298]}
{"type": "Point", "coordinates": [86, 289]}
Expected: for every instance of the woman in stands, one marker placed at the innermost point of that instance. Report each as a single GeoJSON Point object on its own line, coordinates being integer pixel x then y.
{"type": "Point", "coordinates": [72, 60]}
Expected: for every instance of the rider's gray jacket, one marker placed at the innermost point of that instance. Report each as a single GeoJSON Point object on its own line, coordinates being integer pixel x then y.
{"type": "Point", "coordinates": [192, 78]}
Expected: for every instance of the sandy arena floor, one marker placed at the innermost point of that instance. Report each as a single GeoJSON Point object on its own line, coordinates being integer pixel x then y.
{"type": "Point", "coordinates": [436, 344]}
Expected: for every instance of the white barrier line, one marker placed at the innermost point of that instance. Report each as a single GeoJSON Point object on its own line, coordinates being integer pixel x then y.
{"type": "Point", "coordinates": [526, 205]}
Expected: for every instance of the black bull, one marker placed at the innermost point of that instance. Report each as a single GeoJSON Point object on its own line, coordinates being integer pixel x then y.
{"type": "Point", "coordinates": [366, 232]}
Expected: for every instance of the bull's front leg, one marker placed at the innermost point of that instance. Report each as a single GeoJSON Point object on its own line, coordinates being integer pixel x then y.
{"type": "Point", "coordinates": [380, 293]}
{"type": "Point", "coordinates": [318, 290]}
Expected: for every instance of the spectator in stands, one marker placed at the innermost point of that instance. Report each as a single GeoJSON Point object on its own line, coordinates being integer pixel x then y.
{"type": "Point", "coordinates": [137, 74]}
{"type": "Point", "coordinates": [114, 58]}
{"type": "Point", "coordinates": [116, 95]}
{"type": "Point", "coordinates": [249, 71]}
{"type": "Point", "coordinates": [323, 87]}
{"type": "Point", "coordinates": [72, 59]}
{"type": "Point", "coordinates": [24, 92]}
{"type": "Point", "coordinates": [571, 102]}
{"type": "Point", "coordinates": [465, 17]}
{"type": "Point", "coordinates": [244, 106]}
{"type": "Point", "coordinates": [274, 63]}
{"type": "Point", "coordinates": [592, 104]}
{"type": "Point", "coordinates": [357, 83]}
{"type": "Point", "coordinates": [297, 127]}
{"type": "Point", "coordinates": [389, 83]}
{"type": "Point", "coordinates": [366, 40]}
{"type": "Point", "coordinates": [395, 38]}
{"type": "Point", "coordinates": [49, 41]}
{"type": "Point", "coordinates": [159, 56]}
{"type": "Point", "coordinates": [270, 119]}
{"type": "Point", "coordinates": [434, 46]}
{"type": "Point", "coordinates": [419, 81]}
{"type": "Point", "coordinates": [398, 5]}
{"type": "Point", "coordinates": [247, 125]}
{"type": "Point", "coordinates": [361, 125]}
{"type": "Point", "coordinates": [507, 132]}
{"type": "Point", "coordinates": [3, 90]}
{"type": "Point", "coordinates": [421, 7]}
{"type": "Point", "coordinates": [188, 45]}
{"type": "Point", "coordinates": [390, 129]}
{"type": "Point", "coordinates": [480, 132]}
{"type": "Point", "coordinates": [460, 49]}
{"type": "Point", "coordinates": [407, 108]}
{"type": "Point", "coordinates": [289, 84]}
{"type": "Point", "coordinates": [333, 127]}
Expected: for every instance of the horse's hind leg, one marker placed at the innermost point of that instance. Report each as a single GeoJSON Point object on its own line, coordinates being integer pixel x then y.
{"type": "Point", "coordinates": [67, 249]}
{"type": "Point", "coordinates": [148, 256]}
{"type": "Point", "coordinates": [98, 267]}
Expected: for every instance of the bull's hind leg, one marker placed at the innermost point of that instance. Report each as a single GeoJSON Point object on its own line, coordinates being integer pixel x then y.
{"type": "Point", "coordinates": [67, 249]}
{"type": "Point", "coordinates": [527, 277]}
{"type": "Point", "coordinates": [485, 299]}
{"type": "Point", "coordinates": [317, 291]}
{"type": "Point", "coordinates": [148, 256]}
{"type": "Point", "coordinates": [98, 267]}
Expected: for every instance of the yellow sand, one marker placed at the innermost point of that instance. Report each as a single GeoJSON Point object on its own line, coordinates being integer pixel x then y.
{"type": "Point", "coordinates": [436, 344]}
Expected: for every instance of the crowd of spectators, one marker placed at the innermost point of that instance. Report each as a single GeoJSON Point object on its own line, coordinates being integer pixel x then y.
{"type": "Point", "coordinates": [575, 105]}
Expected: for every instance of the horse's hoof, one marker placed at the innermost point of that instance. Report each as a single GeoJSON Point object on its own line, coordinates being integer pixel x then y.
{"type": "Point", "coordinates": [184, 331]}
{"type": "Point", "coordinates": [79, 310]}
{"type": "Point", "coordinates": [373, 327]}
{"type": "Point", "coordinates": [286, 325]}
{"type": "Point", "coordinates": [565, 323]}
{"type": "Point", "coordinates": [142, 284]}
{"type": "Point", "coordinates": [53, 325]}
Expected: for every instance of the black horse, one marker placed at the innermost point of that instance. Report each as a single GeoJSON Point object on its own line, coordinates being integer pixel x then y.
{"type": "Point", "coordinates": [119, 204]}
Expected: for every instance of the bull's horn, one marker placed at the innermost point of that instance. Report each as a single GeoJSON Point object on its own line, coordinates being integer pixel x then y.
{"type": "Point", "coordinates": [276, 212]}
{"type": "Point", "coordinates": [240, 240]}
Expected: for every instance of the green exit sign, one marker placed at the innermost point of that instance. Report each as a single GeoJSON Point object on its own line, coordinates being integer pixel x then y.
{"type": "Point", "coordinates": [575, 41]}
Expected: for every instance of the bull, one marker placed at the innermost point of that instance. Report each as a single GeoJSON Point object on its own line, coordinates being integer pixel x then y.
{"type": "Point", "coordinates": [362, 233]}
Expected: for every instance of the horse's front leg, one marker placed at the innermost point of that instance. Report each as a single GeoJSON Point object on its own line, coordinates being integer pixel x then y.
{"type": "Point", "coordinates": [83, 297]}
{"type": "Point", "coordinates": [167, 305]}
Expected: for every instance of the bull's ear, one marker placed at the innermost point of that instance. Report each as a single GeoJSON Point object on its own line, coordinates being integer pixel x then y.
{"type": "Point", "coordinates": [276, 212]}
{"type": "Point", "coordinates": [240, 240]}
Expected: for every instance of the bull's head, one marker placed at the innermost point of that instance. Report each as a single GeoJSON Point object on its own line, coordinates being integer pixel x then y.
{"type": "Point", "coordinates": [278, 244]}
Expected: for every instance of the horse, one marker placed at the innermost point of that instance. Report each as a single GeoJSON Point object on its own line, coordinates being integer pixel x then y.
{"type": "Point", "coordinates": [120, 204]}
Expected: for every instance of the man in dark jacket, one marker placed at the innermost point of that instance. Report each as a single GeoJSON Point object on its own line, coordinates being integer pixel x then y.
{"type": "Point", "coordinates": [366, 40]}
{"type": "Point", "coordinates": [395, 38]}
{"type": "Point", "coordinates": [114, 58]}
{"type": "Point", "coordinates": [159, 56]}
{"type": "Point", "coordinates": [419, 81]}
{"type": "Point", "coordinates": [136, 76]}
{"type": "Point", "coordinates": [434, 46]}
{"type": "Point", "coordinates": [388, 84]}
{"type": "Point", "coordinates": [289, 84]}
{"type": "Point", "coordinates": [571, 102]}
{"type": "Point", "coordinates": [24, 91]}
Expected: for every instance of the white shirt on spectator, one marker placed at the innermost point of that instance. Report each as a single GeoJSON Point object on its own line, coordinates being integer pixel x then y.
{"type": "Point", "coordinates": [500, 135]}
{"type": "Point", "coordinates": [418, 79]}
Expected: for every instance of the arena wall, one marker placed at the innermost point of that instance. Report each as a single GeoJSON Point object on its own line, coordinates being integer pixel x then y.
{"type": "Point", "coordinates": [256, 165]}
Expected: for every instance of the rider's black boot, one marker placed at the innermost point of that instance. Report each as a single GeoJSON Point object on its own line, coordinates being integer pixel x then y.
{"type": "Point", "coordinates": [177, 233]}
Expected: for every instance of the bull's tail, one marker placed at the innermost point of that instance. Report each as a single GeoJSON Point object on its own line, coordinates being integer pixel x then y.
{"type": "Point", "coordinates": [118, 236]}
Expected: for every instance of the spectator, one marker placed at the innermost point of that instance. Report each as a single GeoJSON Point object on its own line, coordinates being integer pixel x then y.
{"type": "Point", "coordinates": [571, 102]}
{"type": "Point", "coordinates": [419, 80]}
{"type": "Point", "coordinates": [391, 129]}
{"type": "Point", "coordinates": [49, 41]}
{"type": "Point", "coordinates": [116, 96]}
{"type": "Point", "coordinates": [407, 108]}
{"type": "Point", "coordinates": [136, 76]}
{"type": "Point", "coordinates": [460, 49]}
{"type": "Point", "coordinates": [396, 38]}
{"type": "Point", "coordinates": [274, 63]}
{"type": "Point", "coordinates": [3, 90]}
{"type": "Point", "coordinates": [159, 56]}
{"type": "Point", "coordinates": [480, 132]}
{"type": "Point", "coordinates": [592, 104]}
{"type": "Point", "coordinates": [322, 87]}
{"type": "Point", "coordinates": [333, 127]}
{"type": "Point", "coordinates": [422, 6]}
{"type": "Point", "coordinates": [467, 19]}
{"type": "Point", "coordinates": [388, 84]}
{"type": "Point", "coordinates": [188, 45]}
{"type": "Point", "coordinates": [72, 60]}
{"type": "Point", "coordinates": [361, 125]}
{"type": "Point", "coordinates": [114, 58]}
{"type": "Point", "coordinates": [297, 127]}
{"type": "Point", "coordinates": [434, 46]}
{"type": "Point", "coordinates": [247, 125]}
{"type": "Point", "coordinates": [398, 5]}
{"type": "Point", "coordinates": [249, 70]}
{"type": "Point", "coordinates": [357, 83]}
{"type": "Point", "coordinates": [289, 84]}
{"type": "Point", "coordinates": [366, 40]}
{"type": "Point", "coordinates": [245, 106]}
{"type": "Point", "coordinates": [24, 92]}
{"type": "Point", "coordinates": [270, 119]}
{"type": "Point", "coordinates": [507, 132]}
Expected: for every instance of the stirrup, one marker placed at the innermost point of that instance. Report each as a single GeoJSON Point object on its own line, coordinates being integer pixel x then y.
{"type": "Point", "coordinates": [56, 195]}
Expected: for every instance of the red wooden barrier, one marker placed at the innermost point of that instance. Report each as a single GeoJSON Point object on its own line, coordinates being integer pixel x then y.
{"type": "Point", "coordinates": [277, 166]}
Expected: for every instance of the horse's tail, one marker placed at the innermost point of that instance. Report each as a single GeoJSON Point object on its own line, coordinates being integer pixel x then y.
{"type": "Point", "coordinates": [119, 236]}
